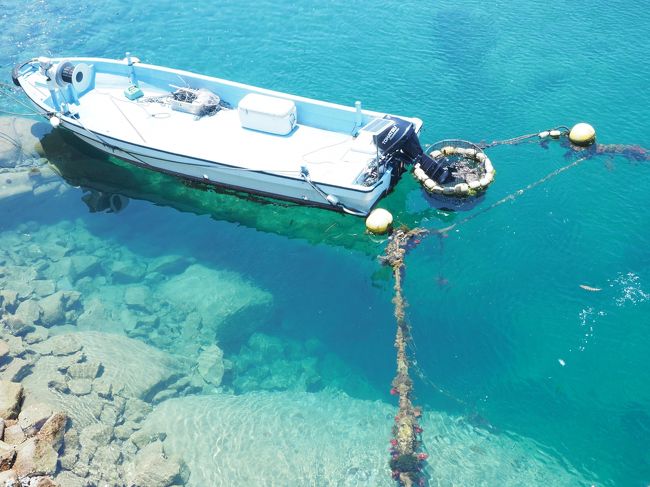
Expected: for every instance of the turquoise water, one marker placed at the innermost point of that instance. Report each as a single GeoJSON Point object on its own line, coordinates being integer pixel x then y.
{"type": "Point", "coordinates": [500, 322]}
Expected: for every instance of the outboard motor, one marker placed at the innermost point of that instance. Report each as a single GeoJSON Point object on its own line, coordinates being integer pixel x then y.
{"type": "Point", "coordinates": [401, 139]}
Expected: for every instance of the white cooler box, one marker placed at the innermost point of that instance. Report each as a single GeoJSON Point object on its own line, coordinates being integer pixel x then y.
{"type": "Point", "coordinates": [267, 114]}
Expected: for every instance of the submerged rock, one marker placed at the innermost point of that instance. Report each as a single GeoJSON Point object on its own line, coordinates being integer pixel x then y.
{"type": "Point", "coordinates": [43, 287]}
{"type": "Point", "coordinates": [136, 410]}
{"type": "Point", "coordinates": [14, 434]}
{"type": "Point", "coordinates": [7, 456]}
{"type": "Point", "coordinates": [69, 479]}
{"type": "Point", "coordinates": [210, 365]}
{"type": "Point", "coordinates": [11, 396]}
{"type": "Point", "coordinates": [137, 297]}
{"type": "Point", "coordinates": [152, 468]}
{"type": "Point", "coordinates": [8, 478]}
{"type": "Point", "coordinates": [59, 345]}
{"type": "Point", "coordinates": [106, 462]}
{"type": "Point", "coordinates": [80, 387]}
{"type": "Point", "coordinates": [53, 307]}
{"type": "Point", "coordinates": [34, 416]}
{"type": "Point", "coordinates": [142, 438]}
{"type": "Point", "coordinates": [126, 272]}
{"type": "Point", "coordinates": [17, 326]}
{"type": "Point", "coordinates": [15, 184]}
{"type": "Point", "coordinates": [27, 314]}
{"type": "Point", "coordinates": [95, 435]}
{"type": "Point", "coordinates": [103, 388]}
{"type": "Point", "coordinates": [16, 346]}
{"type": "Point", "coordinates": [53, 431]}
{"type": "Point", "coordinates": [229, 307]}
{"type": "Point", "coordinates": [84, 370]}
{"type": "Point", "coordinates": [83, 265]}
{"type": "Point", "coordinates": [35, 457]}
{"type": "Point", "coordinates": [270, 363]}
{"type": "Point", "coordinates": [169, 264]}
{"type": "Point", "coordinates": [113, 351]}
{"type": "Point", "coordinates": [38, 334]}
{"type": "Point", "coordinates": [21, 141]}
{"type": "Point", "coordinates": [8, 300]}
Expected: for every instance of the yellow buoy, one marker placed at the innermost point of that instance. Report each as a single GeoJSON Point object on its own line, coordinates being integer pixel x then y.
{"type": "Point", "coordinates": [379, 221]}
{"type": "Point", "coordinates": [582, 134]}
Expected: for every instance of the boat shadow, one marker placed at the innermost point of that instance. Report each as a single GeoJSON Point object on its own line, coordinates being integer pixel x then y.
{"type": "Point", "coordinates": [109, 183]}
{"type": "Point", "coordinates": [453, 203]}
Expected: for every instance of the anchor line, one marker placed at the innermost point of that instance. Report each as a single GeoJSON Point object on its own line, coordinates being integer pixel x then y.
{"type": "Point", "coordinates": [562, 129]}
{"type": "Point", "coordinates": [7, 90]}
{"type": "Point", "coordinates": [512, 196]}
{"type": "Point", "coordinates": [17, 114]}
{"type": "Point", "coordinates": [406, 463]}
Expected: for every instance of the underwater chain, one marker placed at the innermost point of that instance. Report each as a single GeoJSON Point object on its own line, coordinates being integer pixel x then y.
{"type": "Point", "coordinates": [406, 463]}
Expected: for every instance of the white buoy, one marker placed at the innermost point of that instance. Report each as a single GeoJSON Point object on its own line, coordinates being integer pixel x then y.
{"type": "Point", "coordinates": [379, 221]}
{"type": "Point", "coordinates": [582, 134]}
{"type": "Point", "coordinates": [430, 184]}
{"type": "Point", "coordinates": [420, 174]}
{"type": "Point", "coordinates": [55, 121]}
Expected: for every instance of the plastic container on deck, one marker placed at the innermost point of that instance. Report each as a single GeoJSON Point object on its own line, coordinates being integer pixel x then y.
{"type": "Point", "coordinates": [267, 114]}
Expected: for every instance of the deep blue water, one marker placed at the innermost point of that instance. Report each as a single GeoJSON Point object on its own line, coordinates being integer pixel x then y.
{"type": "Point", "coordinates": [499, 319]}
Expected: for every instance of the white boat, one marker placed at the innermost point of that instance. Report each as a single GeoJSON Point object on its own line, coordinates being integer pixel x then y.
{"type": "Point", "coordinates": [223, 132]}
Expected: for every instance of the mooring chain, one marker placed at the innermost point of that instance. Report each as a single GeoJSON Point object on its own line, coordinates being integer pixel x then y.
{"type": "Point", "coordinates": [406, 463]}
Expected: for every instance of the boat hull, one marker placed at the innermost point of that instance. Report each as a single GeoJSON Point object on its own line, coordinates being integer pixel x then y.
{"type": "Point", "coordinates": [213, 158]}
{"type": "Point", "coordinates": [255, 182]}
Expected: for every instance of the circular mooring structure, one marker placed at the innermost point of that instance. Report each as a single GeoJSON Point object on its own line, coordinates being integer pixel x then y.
{"type": "Point", "coordinates": [467, 170]}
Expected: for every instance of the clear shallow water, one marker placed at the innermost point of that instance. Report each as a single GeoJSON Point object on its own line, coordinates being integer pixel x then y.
{"type": "Point", "coordinates": [496, 307]}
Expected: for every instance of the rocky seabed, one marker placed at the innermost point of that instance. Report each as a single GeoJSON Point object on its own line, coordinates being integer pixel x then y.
{"type": "Point", "coordinates": [59, 368]}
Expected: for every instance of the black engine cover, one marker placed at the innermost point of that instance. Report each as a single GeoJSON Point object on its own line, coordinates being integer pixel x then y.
{"type": "Point", "coordinates": [401, 139]}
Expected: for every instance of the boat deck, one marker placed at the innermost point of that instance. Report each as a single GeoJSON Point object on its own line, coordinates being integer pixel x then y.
{"type": "Point", "coordinates": [219, 137]}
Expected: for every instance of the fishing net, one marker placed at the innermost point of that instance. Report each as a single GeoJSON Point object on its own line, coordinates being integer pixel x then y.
{"type": "Point", "coordinates": [199, 102]}
{"type": "Point", "coordinates": [461, 157]}
{"type": "Point", "coordinates": [466, 169]}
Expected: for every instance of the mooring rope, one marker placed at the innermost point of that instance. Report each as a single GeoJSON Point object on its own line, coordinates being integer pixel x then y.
{"type": "Point", "coordinates": [561, 131]}
{"type": "Point", "coordinates": [406, 463]}
{"type": "Point", "coordinates": [512, 196]}
{"type": "Point", "coordinates": [8, 91]}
